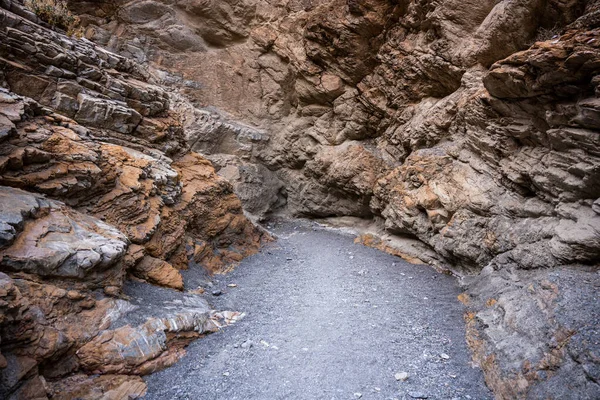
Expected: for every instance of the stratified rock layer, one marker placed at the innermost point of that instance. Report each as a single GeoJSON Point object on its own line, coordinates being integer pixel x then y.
{"type": "Point", "coordinates": [88, 195]}
{"type": "Point", "coordinates": [49, 239]}
{"type": "Point", "coordinates": [471, 126]}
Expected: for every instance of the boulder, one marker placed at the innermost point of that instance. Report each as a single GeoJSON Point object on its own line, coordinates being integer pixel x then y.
{"type": "Point", "coordinates": [48, 239]}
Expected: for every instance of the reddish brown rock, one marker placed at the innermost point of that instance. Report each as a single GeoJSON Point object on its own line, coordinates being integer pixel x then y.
{"type": "Point", "coordinates": [41, 325]}
{"type": "Point", "coordinates": [158, 272]}
{"type": "Point", "coordinates": [105, 387]}
{"type": "Point", "coordinates": [471, 126]}
{"type": "Point", "coordinates": [165, 207]}
{"type": "Point", "coordinates": [213, 217]}
{"type": "Point", "coordinates": [144, 349]}
{"type": "Point", "coordinates": [95, 137]}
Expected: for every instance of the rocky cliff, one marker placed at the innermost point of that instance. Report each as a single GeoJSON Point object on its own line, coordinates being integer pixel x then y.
{"type": "Point", "coordinates": [97, 184]}
{"type": "Point", "coordinates": [467, 131]}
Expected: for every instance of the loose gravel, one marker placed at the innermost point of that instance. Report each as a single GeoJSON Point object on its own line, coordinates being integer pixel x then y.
{"type": "Point", "coordinates": [327, 319]}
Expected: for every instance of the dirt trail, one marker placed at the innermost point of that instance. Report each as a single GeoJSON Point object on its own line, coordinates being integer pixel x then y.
{"type": "Point", "coordinates": [328, 319]}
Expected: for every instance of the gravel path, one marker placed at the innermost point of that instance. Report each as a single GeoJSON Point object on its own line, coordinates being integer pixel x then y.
{"type": "Point", "coordinates": [327, 319]}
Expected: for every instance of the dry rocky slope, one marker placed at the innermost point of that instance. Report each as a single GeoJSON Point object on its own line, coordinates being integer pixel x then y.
{"type": "Point", "coordinates": [470, 127]}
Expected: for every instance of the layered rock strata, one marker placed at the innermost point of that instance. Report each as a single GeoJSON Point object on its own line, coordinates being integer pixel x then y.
{"type": "Point", "coordinates": [469, 126]}
{"type": "Point", "coordinates": [109, 156]}
{"type": "Point", "coordinates": [97, 182]}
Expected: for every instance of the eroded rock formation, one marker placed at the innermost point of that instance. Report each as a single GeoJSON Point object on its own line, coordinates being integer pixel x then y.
{"type": "Point", "coordinates": [97, 183]}
{"type": "Point", "coordinates": [470, 126]}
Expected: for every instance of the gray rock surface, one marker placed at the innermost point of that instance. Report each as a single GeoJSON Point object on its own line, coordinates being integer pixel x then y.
{"type": "Point", "coordinates": [514, 309]}
{"type": "Point", "coordinates": [47, 238]}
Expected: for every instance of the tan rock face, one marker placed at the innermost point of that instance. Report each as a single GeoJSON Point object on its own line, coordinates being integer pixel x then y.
{"type": "Point", "coordinates": [163, 206]}
{"type": "Point", "coordinates": [469, 125]}
{"type": "Point", "coordinates": [169, 217]}
{"type": "Point", "coordinates": [87, 196]}
{"type": "Point", "coordinates": [106, 387]}
{"type": "Point", "coordinates": [41, 324]}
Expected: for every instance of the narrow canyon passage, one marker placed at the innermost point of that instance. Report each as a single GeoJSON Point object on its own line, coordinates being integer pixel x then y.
{"type": "Point", "coordinates": [326, 319]}
{"type": "Point", "coordinates": [141, 137]}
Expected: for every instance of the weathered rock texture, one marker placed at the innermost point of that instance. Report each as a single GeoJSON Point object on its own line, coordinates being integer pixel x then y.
{"type": "Point", "coordinates": [472, 126]}
{"type": "Point", "coordinates": [97, 136]}
{"type": "Point", "coordinates": [97, 181]}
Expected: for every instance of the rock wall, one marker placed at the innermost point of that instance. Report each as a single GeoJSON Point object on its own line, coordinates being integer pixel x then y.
{"type": "Point", "coordinates": [97, 182]}
{"type": "Point", "coordinates": [92, 132]}
{"type": "Point", "coordinates": [471, 126]}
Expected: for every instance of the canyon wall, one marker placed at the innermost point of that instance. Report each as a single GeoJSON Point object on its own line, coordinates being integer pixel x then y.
{"type": "Point", "coordinates": [471, 127]}
{"type": "Point", "coordinates": [97, 184]}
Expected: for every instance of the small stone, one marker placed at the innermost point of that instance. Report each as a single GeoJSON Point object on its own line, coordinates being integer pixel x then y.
{"type": "Point", "coordinates": [198, 290]}
{"type": "Point", "coordinates": [358, 395]}
{"type": "Point", "coordinates": [289, 258]}
{"type": "Point", "coordinates": [74, 295]}
{"type": "Point", "coordinates": [445, 356]}
{"type": "Point", "coordinates": [247, 344]}
{"type": "Point", "coordinates": [112, 291]}
{"type": "Point", "coordinates": [401, 376]}
{"type": "Point", "coordinates": [30, 128]}
{"type": "Point", "coordinates": [417, 395]}
{"type": "Point", "coordinates": [264, 343]}
{"type": "Point", "coordinates": [216, 293]}
{"type": "Point", "coordinates": [232, 285]}
{"type": "Point", "coordinates": [225, 373]}
{"type": "Point", "coordinates": [87, 303]}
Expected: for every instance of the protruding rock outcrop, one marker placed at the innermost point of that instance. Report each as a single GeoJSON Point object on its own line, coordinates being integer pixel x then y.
{"type": "Point", "coordinates": [49, 239]}
{"type": "Point", "coordinates": [471, 126]}
{"type": "Point", "coordinates": [88, 195]}
{"type": "Point", "coordinates": [173, 212]}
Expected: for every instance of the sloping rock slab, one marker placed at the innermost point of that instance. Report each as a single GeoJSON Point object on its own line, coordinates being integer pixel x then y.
{"type": "Point", "coordinates": [51, 240]}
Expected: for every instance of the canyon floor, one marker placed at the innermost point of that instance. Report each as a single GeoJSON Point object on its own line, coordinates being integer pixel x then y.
{"type": "Point", "coordinates": [325, 319]}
